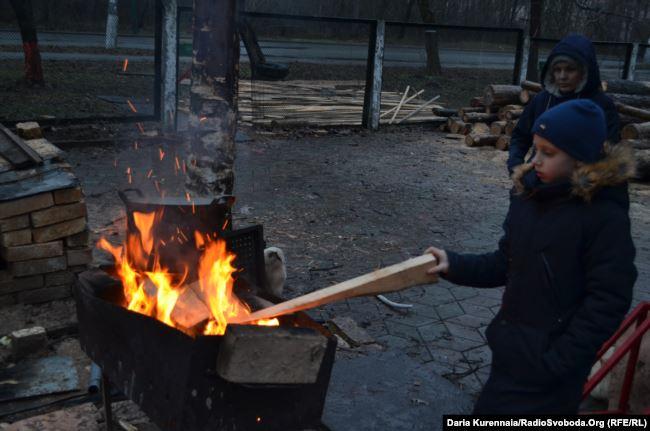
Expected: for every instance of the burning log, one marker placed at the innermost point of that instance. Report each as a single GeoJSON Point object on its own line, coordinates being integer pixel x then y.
{"type": "Point", "coordinates": [636, 131]}
{"type": "Point", "coordinates": [476, 117]}
{"type": "Point", "coordinates": [501, 94]}
{"type": "Point", "coordinates": [396, 277]}
{"type": "Point", "coordinates": [480, 140]}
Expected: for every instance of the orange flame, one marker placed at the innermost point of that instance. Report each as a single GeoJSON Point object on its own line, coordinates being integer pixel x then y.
{"type": "Point", "coordinates": [125, 65]}
{"type": "Point", "coordinates": [154, 292]}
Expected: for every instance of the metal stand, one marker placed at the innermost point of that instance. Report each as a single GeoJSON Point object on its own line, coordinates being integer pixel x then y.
{"type": "Point", "coordinates": [106, 401]}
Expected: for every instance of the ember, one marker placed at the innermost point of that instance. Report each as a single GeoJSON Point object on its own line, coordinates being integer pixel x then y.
{"type": "Point", "coordinates": [152, 290]}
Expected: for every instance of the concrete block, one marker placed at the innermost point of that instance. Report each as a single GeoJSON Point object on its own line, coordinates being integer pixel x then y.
{"type": "Point", "coordinates": [38, 266]}
{"type": "Point", "coordinates": [81, 239]}
{"type": "Point", "coordinates": [45, 294]}
{"type": "Point", "coordinates": [14, 223]}
{"type": "Point", "coordinates": [29, 130]}
{"type": "Point", "coordinates": [58, 213]}
{"type": "Point", "coordinates": [27, 341]}
{"type": "Point", "coordinates": [66, 196]}
{"type": "Point", "coordinates": [16, 284]}
{"type": "Point", "coordinates": [32, 251]}
{"type": "Point", "coordinates": [270, 355]}
{"type": "Point", "coordinates": [59, 230]}
{"type": "Point", "coordinates": [59, 278]}
{"type": "Point", "coordinates": [16, 237]}
{"type": "Point", "coordinates": [26, 205]}
{"type": "Point", "coordinates": [79, 257]}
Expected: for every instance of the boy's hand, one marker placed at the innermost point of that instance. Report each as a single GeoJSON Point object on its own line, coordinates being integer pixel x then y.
{"type": "Point", "coordinates": [441, 257]}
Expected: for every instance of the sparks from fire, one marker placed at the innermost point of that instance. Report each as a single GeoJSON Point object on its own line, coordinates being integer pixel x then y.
{"type": "Point", "coordinates": [161, 154]}
{"type": "Point", "coordinates": [125, 65]}
{"type": "Point", "coordinates": [131, 105]}
{"type": "Point", "coordinates": [153, 291]}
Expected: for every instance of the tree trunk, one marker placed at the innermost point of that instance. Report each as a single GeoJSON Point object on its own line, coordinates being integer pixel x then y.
{"type": "Point", "coordinates": [25, 17]}
{"type": "Point", "coordinates": [624, 86]}
{"type": "Point", "coordinates": [632, 100]}
{"type": "Point", "coordinates": [502, 95]}
{"type": "Point", "coordinates": [111, 24]}
{"type": "Point", "coordinates": [534, 30]}
{"type": "Point", "coordinates": [643, 114]}
{"type": "Point", "coordinates": [503, 143]}
{"type": "Point", "coordinates": [213, 99]}
{"type": "Point", "coordinates": [430, 39]}
{"type": "Point", "coordinates": [433, 57]}
{"type": "Point", "coordinates": [636, 131]}
{"type": "Point", "coordinates": [480, 140]}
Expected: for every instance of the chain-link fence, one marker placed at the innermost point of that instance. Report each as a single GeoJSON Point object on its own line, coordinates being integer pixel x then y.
{"type": "Point", "coordinates": [82, 78]}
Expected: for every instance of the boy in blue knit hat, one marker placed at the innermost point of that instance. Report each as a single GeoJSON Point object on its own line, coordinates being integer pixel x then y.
{"type": "Point", "coordinates": [566, 259]}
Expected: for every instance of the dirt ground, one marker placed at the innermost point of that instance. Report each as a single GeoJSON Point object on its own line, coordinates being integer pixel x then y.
{"type": "Point", "coordinates": [341, 202]}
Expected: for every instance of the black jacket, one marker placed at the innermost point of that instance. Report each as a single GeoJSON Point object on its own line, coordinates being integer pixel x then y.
{"type": "Point", "coordinates": [566, 259]}
{"type": "Point", "coordinates": [582, 50]}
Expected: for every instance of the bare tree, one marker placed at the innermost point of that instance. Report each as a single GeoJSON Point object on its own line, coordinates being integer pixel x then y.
{"type": "Point", "coordinates": [25, 16]}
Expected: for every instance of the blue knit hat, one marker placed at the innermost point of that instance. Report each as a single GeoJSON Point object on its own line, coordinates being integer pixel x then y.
{"type": "Point", "coordinates": [577, 127]}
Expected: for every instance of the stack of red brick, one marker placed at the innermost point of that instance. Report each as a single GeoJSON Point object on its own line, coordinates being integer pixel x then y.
{"type": "Point", "coordinates": [44, 238]}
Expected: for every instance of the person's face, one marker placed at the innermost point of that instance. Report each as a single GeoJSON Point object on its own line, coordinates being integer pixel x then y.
{"type": "Point", "coordinates": [551, 164]}
{"type": "Point", "coordinates": [567, 76]}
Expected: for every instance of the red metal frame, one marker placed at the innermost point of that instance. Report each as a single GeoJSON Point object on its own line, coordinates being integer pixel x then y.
{"type": "Point", "coordinates": [641, 317]}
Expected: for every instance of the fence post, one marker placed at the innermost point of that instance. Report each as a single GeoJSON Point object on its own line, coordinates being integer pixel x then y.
{"type": "Point", "coordinates": [630, 61]}
{"type": "Point", "coordinates": [521, 58]}
{"type": "Point", "coordinates": [372, 96]}
{"type": "Point", "coordinates": [111, 24]}
{"type": "Point", "coordinates": [433, 56]}
{"type": "Point", "coordinates": [169, 58]}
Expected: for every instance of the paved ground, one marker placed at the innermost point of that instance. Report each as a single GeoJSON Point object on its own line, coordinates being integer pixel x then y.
{"type": "Point", "coordinates": [344, 203]}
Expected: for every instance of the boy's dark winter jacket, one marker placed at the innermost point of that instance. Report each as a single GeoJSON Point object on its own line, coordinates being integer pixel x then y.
{"type": "Point", "coordinates": [566, 259]}
{"type": "Point", "coordinates": [582, 50]}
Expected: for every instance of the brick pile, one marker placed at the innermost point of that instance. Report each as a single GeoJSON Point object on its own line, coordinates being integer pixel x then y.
{"type": "Point", "coordinates": [44, 237]}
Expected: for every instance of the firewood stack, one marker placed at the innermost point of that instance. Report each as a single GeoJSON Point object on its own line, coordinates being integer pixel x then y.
{"type": "Point", "coordinates": [489, 120]}
{"type": "Point", "coordinates": [44, 238]}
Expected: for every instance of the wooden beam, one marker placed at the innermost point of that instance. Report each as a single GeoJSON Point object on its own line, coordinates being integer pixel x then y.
{"type": "Point", "coordinates": [393, 278]}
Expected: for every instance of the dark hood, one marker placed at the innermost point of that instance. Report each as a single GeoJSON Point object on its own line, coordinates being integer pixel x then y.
{"type": "Point", "coordinates": [582, 50]}
{"type": "Point", "coordinates": [600, 180]}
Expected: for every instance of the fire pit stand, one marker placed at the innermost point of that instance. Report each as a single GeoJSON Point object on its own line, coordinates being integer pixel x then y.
{"type": "Point", "coordinates": [174, 378]}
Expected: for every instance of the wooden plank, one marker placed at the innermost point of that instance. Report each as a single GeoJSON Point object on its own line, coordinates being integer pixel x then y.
{"type": "Point", "coordinates": [393, 278]}
{"type": "Point", "coordinates": [16, 151]}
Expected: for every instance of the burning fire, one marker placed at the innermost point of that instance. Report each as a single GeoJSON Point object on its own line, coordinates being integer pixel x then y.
{"type": "Point", "coordinates": [155, 294]}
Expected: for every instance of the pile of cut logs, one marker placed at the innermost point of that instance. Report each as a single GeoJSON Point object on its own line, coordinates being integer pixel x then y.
{"type": "Point", "coordinates": [489, 120]}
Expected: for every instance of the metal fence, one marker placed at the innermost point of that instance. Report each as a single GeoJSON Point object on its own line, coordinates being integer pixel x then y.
{"type": "Point", "coordinates": [83, 80]}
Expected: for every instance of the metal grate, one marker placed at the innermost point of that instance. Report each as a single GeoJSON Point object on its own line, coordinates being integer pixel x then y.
{"type": "Point", "coordinates": [248, 244]}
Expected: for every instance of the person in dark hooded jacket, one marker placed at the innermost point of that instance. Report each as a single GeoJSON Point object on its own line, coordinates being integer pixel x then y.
{"type": "Point", "coordinates": [570, 72]}
{"type": "Point", "coordinates": [566, 259]}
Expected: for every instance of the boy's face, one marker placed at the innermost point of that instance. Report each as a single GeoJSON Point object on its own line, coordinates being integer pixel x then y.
{"type": "Point", "coordinates": [567, 76]}
{"type": "Point", "coordinates": [551, 164]}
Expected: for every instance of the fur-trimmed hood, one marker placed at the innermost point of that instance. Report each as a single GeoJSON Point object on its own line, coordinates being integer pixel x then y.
{"type": "Point", "coordinates": [616, 167]}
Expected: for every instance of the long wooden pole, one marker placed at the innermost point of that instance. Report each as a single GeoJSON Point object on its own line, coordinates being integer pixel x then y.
{"type": "Point", "coordinates": [393, 278]}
